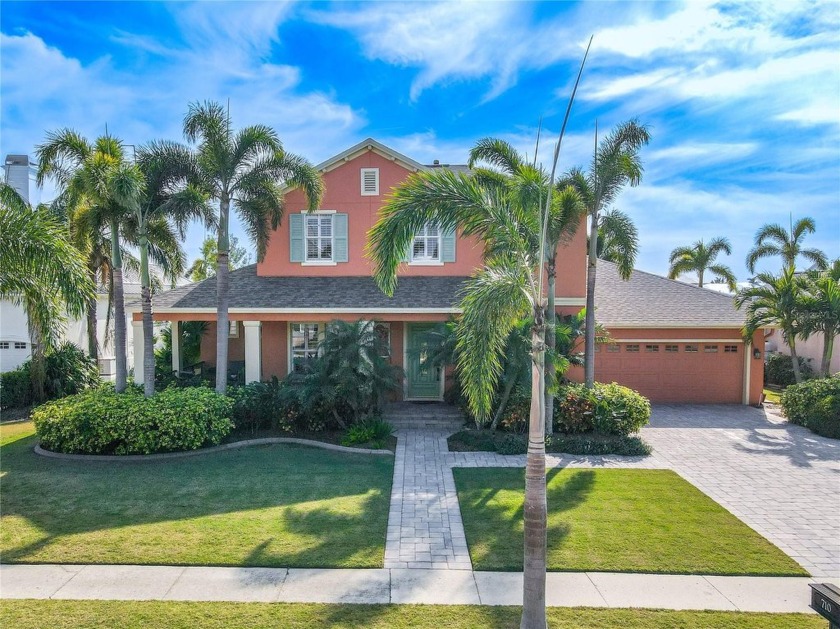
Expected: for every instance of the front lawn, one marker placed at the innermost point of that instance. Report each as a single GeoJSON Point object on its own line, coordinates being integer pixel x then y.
{"type": "Point", "coordinates": [276, 505]}
{"type": "Point", "coordinates": [138, 615]}
{"type": "Point", "coordinates": [614, 520]}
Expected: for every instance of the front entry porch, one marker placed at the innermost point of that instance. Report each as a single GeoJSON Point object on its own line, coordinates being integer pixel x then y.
{"type": "Point", "coordinates": [423, 382]}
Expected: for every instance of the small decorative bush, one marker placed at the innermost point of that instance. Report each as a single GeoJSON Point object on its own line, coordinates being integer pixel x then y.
{"type": "Point", "coordinates": [261, 405]}
{"type": "Point", "coordinates": [815, 404]}
{"type": "Point", "coordinates": [67, 370]}
{"type": "Point", "coordinates": [100, 421]}
{"type": "Point", "coordinates": [778, 369]}
{"type": "Point", "coordinates": [373, 431]}
{"type": "Point", "coordinates": [607, 409]}
{"type": "Point", "coordinates": [512, 444]}
{"type": "Point", "coordinates": [517, 413]}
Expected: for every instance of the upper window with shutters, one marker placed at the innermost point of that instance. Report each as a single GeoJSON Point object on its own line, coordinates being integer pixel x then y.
{"type": "Point", "coordinates": [370, 182]}
{"type": "Point", "coordinates": [318, 238]}
{"type": "Point", "coordinates": [432, 246]}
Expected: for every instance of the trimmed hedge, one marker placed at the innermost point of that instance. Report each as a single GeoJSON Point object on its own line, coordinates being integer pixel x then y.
{"type": "Point", "coordinates": [100, 421]}
{"type": "Point", "coordinates": [483, 440]}
{"type": "Point", "coordinates": [607, 409]}
{"type": "Point", "coordinates": [815, 404]}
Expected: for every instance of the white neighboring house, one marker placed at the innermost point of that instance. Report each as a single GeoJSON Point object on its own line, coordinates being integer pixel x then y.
{"type": "Point", "coordinates": [15, 345]}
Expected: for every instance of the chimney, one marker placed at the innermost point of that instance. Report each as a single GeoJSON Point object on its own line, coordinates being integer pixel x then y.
{"type": "Point", "coordinates": [18, 174]}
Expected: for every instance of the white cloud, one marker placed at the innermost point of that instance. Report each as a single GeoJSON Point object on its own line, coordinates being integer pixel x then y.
{"type": "Point", "coordinates": [456, 40]}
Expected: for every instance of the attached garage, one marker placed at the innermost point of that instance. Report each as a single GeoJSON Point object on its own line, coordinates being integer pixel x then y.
{"type": "Point", "coordinates": [673, 342]}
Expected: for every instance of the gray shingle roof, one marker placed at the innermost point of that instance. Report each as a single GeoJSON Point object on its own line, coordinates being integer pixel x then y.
{"type": "Point", "coordinates": [652, 300]}
{"type": "Point", "coordinates": [646, 300]}
{"type": "Point", "coordinates": [248, 290]}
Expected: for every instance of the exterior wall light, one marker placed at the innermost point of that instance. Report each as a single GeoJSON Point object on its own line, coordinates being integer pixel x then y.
{"type": "Point", "coordinates": [756, 353]}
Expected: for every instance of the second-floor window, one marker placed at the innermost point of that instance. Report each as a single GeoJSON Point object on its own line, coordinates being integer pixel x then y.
{"type": "Point", "coordinates": [319, 237]}
{"type": "Point", "coordinates": [426, 246]}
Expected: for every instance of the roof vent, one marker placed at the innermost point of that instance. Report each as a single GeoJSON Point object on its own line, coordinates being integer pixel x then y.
{"type": "Point", "coordinates": [436, 162]}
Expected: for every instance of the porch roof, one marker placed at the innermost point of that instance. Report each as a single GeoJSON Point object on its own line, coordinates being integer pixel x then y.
{"type": "Point", "coordinates": [249, 290]}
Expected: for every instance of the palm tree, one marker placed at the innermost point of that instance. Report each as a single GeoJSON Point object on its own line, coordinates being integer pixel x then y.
{"type": "Point", "coordinates": [618, 241]}
{"type": "Point", "coordinates": [94, 180]}
{"type": "Point", "coordinates": [566, 209]}
{"type": "Point", "coordinates": [775, 301]}
{"type": "Point", "coordinates": [615, 164]}
{"type": "Point", "coordinates": [821, 306]}
{"type": "Point", "coordinates": [699, 257]}
{"type": "Point", "coordinates": [43, 271]}
{"type": "Point", "coordinates": [164, 202]}
{"type": "Point", "coordinates": [774, 240]}
{"type": "Point", "coordinates": [246, 170]}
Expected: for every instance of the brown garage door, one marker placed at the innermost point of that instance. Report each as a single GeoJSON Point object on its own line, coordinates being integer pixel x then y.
{"type": "Point", "coordinates": [710, 373]}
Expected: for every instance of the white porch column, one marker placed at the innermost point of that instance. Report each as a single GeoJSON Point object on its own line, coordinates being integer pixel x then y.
{"type": "Point", "coordinates": [137, 329]}
{"type": "Point", "coordinates": [176, 346]}
{"type": "Point", "coordinates": [253, 351]}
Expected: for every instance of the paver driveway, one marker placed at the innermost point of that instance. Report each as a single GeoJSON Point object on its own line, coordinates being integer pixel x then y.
{"type": "Point", "coordinates": [780, 479]}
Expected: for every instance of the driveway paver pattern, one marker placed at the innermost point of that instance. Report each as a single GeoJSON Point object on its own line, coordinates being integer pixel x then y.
{"type": "Point", "coordinates": [780, 479]}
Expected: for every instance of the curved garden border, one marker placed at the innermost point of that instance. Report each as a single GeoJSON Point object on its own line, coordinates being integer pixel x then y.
{"type": "Point", "coordinates": [88, 458]}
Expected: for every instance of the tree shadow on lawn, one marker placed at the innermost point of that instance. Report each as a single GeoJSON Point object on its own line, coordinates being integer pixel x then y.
{"type": "Point", "coordinates": [494, 531]}
{"type": "Point", "coordinates": [219, 509]}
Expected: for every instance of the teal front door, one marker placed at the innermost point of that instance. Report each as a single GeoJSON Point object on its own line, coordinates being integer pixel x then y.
{"type": "Point", "coordinates": [423, 381]}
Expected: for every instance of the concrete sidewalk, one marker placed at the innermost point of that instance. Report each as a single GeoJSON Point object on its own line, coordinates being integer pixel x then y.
{"type": "Point", "coordinates": [399, 585]}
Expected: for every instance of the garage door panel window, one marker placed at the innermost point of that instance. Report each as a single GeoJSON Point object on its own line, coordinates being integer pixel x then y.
{"type": "Point", "coordinates": [672, 349]}
{"type": "Point", "coordinates": [730, 349]}
{"type": "Point", "coordinates": [613, 348]}
{"type": "Point", "coordinates": [692, 349]}
{"type": "Point", "coordinates": [652, 348]}
{"type": "Point", "coordinates": [710, 349]}
{"type": "Point", "coordinates": [631, 348]}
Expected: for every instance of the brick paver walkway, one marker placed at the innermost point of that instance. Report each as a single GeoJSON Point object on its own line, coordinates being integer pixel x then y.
{"type": "Point", "coordinates": [424, 524]}
{"type": "Point", "coordinates": [780, 479]}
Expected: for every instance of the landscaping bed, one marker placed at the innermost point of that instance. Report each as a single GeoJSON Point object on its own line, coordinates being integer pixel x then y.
{"type": "Point", "coordinates": [615, 520]}
{"type": "Point", "coordinates": [274, 506]}
{"type": "Point", "coordinates": [55, 614]}
{"type": "Point", "coordinates": [483, 440]}
{"type": "Point", "coordinates": [335, 437]}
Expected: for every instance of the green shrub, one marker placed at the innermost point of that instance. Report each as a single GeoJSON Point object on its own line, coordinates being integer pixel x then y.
{"type": "Point", "coordinates": [373, 431]}
{"type": "Point", "coordinates": [517, 413]}
{"type": "Point", "coordinates": [16, 388]}
{"type": "Point", "coordinates": [778, 369]}
{"type": "Point", "coordinates": [100, 421]}
{"type": "Point", "coordinates": [261, 405]}
{"type": "Point", "coordinates": [67, 370]}
{"type": "Point", "coordinates": [815, 404]}
{"type": "Point", "coordinates": [598, 444]}
{"type": "Point", "coordinates": [607, 409]}
{"type": "Point", "coordinates": [512, 444]}
{"type": "Point", "coordinates": [574, 410]}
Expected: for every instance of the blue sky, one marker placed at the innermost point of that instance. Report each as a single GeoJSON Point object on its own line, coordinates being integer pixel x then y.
{"type": "Point", "coordinates": [743, 100]}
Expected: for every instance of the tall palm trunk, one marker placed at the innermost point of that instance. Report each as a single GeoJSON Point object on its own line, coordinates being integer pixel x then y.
{"type": "Point", "coordinates": [93, 338]}
{"type": "Point", "coordinates": [37, 368]}
{"type": "Point", "coordinates": [533, 603]}
{"type": "Point", "coordinates": [828, 350]}
{"type": "Point", "coordinates": [119, 310]}
{"type": "Point", "coordinates": [551, 344]}
{"type": "Point", "coordinates": [797, 374]}
{"type": "Point", "coordinates": [222, 282]}
{"type": "Point", "coordinates": [589, 331]}
{"type": "Point", "coordinates": [700, 278]}
{"type": "Point", "coordinates": [148, 326]}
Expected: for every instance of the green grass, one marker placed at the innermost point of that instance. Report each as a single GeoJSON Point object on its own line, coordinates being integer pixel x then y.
{"type": "Point", "coordinates": [613, 520]}
{"type": "Point", "coordinates": [774, 397]}
{"type": "Point", "coordinates": [138, 615]}
{"type": "Point", "coordinates": [261, 506]}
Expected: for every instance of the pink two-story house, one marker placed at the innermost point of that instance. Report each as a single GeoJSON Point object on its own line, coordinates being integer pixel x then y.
{"type": "Point", "coordinates": [673, 342]}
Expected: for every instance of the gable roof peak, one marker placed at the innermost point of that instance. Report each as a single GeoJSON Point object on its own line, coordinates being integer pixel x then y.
{"type": "Point", "coordinates": [369, 144]}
